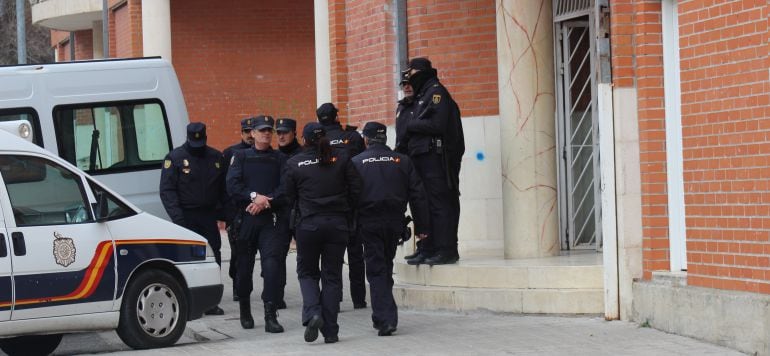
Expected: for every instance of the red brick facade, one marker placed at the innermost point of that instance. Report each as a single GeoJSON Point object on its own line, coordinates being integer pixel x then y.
{"type": "Point", "coordinates": [236, 59]}
{"type": "Point", "coordinates": [125, 26]}
{"type": "Point", "coordinates": [460, 38]}
{"type": "Point", "coordinates": [724, 100]}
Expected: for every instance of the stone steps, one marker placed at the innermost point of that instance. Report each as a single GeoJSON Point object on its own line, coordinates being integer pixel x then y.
{"type": "Point", "coordinates": [552, 285]}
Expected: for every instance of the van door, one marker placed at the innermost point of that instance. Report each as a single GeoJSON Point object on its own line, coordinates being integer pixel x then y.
{"type": "Point", "coordinates": [6, 291]}
{"type": "Point", "coordinates": [63, 261]}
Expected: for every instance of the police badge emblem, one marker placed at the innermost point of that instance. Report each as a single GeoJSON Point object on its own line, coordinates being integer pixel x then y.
{"type": "Point", "coordinates": [216, 164]}
{"type": "Point", "coordinates": [436, 98]}
{"type": "Point", "coordinates": [167, 164]}
{"type": "Point", "coordinates": [186, 168]}
{"type": "Point", "coordinates": [63, 250]}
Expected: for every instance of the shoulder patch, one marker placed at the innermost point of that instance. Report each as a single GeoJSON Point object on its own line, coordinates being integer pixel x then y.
{"type": "Point", "coordinates": [167, 164]}
{"type": "Point", "coordinates": [216, 164]}
{"type": "Point", "coordinates": [436, 98]}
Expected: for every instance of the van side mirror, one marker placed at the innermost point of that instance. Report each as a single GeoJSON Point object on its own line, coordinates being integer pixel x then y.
{"type": "Point", "coordinates": [102, 207]}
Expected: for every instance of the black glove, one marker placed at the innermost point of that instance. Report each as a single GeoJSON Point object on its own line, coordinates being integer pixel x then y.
{"type": "Point", "coordinates": [406, 234]}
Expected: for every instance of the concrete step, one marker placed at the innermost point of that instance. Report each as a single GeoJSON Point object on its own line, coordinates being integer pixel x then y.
{"type": "Point", "coordinates": [535, 301]}
{"type": "Point", "coordinates": [564, 272]}
{"type": "Point", "coordinates": [555, 285]}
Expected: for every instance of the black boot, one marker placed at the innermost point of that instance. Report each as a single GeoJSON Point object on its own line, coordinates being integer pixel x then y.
{"type": "Point", "coordinates": [235, 293]}
{"type": "Point", "coordinates": [247, 321]}
{"type": "Point", "coordinates": [271, 319]}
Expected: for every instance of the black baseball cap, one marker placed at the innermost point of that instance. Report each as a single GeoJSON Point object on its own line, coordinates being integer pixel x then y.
{"type": "Point", "coordinates": [247, 123]}
{"type": "Point", "coordinates": [196, 134]}
{"type": "Point", "coordinates": [375, 130]}
{"type": "Point", "coordinates": [419, 63]}
{"type": "Point", "coordinates": [285, 124]}
{"type": "Point", "coordinates": [313, 132]}
{"type": "Point", "coordinates": [326, 113]}
{"type": "Point", "coordinates": [262, 122]}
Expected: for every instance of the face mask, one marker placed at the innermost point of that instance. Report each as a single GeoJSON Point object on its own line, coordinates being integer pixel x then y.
{"type": "Point", "coordinates": [417, 80]}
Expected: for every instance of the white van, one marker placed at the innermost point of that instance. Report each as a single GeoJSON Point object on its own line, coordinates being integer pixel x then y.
{"type": "Point", "coordinates": [114, 119]}
{"type": "Point", "coordinates": [75, 256]}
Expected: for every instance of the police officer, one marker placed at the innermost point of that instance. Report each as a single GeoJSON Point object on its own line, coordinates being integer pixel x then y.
{"type": "Point", "coordinates": [254, 185]}
{"type": "Point", "coordinates": [325, 186]}
{"type": "Point", "coordinates": [436, 146]}
{"type": "Point", "coordinates": [403, 112]}
{"type": "Point", "coordinates": [351, 142]}
{"type": "Point", "coordinates": [390, 181]}
{"type": "Point", "coordinates": [191, 188]}
{"type": "Point", "coordinates": [230, 209]}
{"type": "Point", "coordinates": [286, 130]}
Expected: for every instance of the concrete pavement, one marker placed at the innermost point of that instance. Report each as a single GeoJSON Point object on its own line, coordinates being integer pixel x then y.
{"type": "Point", "coordinates": [431, 333]}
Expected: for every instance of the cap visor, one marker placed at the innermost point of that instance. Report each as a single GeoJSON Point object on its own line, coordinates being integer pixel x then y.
{"type": "Point", "coordinates": [260, 127]}
{"type": "Point", "coordinates": [283, 129]}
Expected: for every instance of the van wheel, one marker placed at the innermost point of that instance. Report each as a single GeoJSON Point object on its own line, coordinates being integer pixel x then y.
{"type": "Point", "coordinates": [154, 311]}
{"type": "Point", "coordinates": [31, 345]}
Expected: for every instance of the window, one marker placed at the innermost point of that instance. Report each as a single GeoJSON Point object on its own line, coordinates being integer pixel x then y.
{"type": "Point", "coordinates": [42, 192]}
{"type": "Point", "coordinates": [113, 137]}
{"type": "Point", "coordinates": [115, 208]}
{"type": "Point", "coordinates": [28, 114]}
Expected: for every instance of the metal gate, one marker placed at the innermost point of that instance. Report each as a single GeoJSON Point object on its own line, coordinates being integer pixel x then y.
{"type": "Point", "coordinates": [577, 123]}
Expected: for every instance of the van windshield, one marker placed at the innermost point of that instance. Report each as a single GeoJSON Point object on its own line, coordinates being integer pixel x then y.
{"type": "Point", "coordinates": [113, 137]}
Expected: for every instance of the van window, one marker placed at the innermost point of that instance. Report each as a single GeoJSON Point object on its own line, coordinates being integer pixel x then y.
{"type": "Point", "coordinates": [115, 208]}
{"type": "Point", "coordinates": [113, 137]}
{"type": "Point", "coordinates": [53, 197]}
{"type": "Point", "coordinates": [28, 114]}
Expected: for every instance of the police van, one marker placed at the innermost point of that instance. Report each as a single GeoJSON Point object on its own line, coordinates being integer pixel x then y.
{"type": "Point", "coordinates": [76, 256]}
{"type": "Point", "coordinates": [114, 119]}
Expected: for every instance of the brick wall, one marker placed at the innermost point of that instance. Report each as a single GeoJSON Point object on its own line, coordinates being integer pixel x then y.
{"type": "Point", "coordinates": [236, 59]}
{"type": "Point", "coordinates": [648, 47]}
{"type": "Point", "coordinates": [724, 93]}
{"type": "Point", "coordinates": [84, 45]}
{"type": "Point", "coordinates": [460, 38]}
{"type": "Point", "coordinates": [370, 62]}
{"type": "Point", "coordinates": [125, 23]}
{"type": "Point", "coordinates": [337, 53]}
{"type": "Point", "coordinates": [726, 130]}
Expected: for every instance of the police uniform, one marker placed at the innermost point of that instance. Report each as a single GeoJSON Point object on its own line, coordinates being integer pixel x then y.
{"type": "Point", "coordinates": [253, 172]}
{"type": "Point", "coordinates": [389, 182]}
{"type": "Point", "coordinates": [192, 187]}
{"type": "Point", "coordinates": [436, 146]}
{"type": "Point", "coordinates": [325, 195]}
{"type": "Point", "coordinates": [285, 233]}
{"type": "Point", "coordinates": [231, 209]}
{"type": "Point", "coordinates": [351, 142]}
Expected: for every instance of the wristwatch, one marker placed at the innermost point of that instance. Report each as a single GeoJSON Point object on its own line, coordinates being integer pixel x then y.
{"type": "Point", "coordinates": [253, 195]}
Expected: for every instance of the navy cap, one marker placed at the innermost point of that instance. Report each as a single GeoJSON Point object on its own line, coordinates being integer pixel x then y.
{"type": "Point", "coordinates": [196, 134]}
{"type": "Point", "coordinates": [326, 113]}
{"type": "Point", "coordinates": [285, 125]}
{"type": "Point", "coordinates": [313, 132]}
{"type": "Point", "coordinates": [375, 130]}
{"type": "Point", "coordinates": [262, 122]}
{"type": "Point", "coordinates": [419, 63]}
{"type": "Point", "coordinates": [247, 123]}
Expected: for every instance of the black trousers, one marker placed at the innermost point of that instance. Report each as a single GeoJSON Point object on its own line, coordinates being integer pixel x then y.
{"type": "Point", "coordinates": [258, 234]}
{"type": "Point", "coordinates": [321, 239]}
{"type": "Point", "coordinates": [232, 239]}
{"type": "Point", "coordinates": [356, 270]}
{"type": "Point", "coordinates": [444, 204]}
{"type": "Point", "coordinates": [285, 235]}
{"type": "Point", "coordinates": [204, 223]}
{"type": "Point", "coordinates": [380, 241]}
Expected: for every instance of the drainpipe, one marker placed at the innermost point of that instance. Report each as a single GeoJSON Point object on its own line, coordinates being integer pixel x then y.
{"type": "Point", "coordinates": [105, 30]}
{"type": "Point", "coordinates": [72, 46]}
{"type": "Point", "coordinates": [21, 33]}
{"type": "Point", "coordinates": [399, 15]}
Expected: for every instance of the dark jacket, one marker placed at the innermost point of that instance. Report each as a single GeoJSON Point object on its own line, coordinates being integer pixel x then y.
{"type": "Point", "coordinates": [349, 140]}
{"type": "Point", "coordinates": [190, 181]}
{"type": "Point", "coordinates": [230, 208]}
{"type": "Point", "coordinates": [436, 116]}
{"type": "Point", "coordinates": [256, 171]}
{"type": "Point", "coordinates": [390, 181]}
{"type": "Point", "coordinates": [321, 189]}
{"type": "Point", "coordinates": [403, 113]}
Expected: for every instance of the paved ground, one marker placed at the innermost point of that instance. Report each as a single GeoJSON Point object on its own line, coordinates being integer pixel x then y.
{"type": "Point", "coordinates": [430, 333]}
